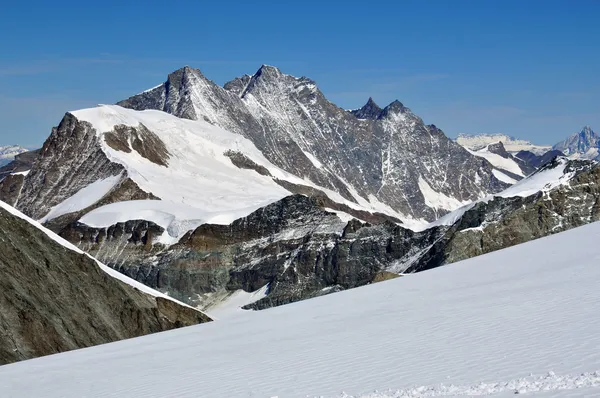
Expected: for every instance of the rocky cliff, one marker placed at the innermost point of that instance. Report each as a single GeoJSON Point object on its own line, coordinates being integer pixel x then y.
{"type": "Point", "coordinates": [54, 299]}
{"type": "Point", "coordinates": [300, 250]}
{"type": "Point", "coordinates": [386, 155]}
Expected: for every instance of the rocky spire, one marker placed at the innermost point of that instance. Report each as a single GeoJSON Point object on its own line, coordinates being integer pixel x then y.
{"type": "Point", "coordinates": [369, 111]}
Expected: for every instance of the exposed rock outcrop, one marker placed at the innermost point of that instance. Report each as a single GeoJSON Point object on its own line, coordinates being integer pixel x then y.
{"type": "Point", "coordinates": [53, 299]}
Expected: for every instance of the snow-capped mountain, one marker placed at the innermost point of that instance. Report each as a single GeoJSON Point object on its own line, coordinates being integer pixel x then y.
{"type": "Point", "coordinates": [518, 321]}
{"type": "Point", "coordinates": [582, 145]}
{"type": "Point", "coordinates": [295, 248]}
{"type": "Point", "coordinates": [264, 186]}
{"type": "Point", "coordinates": [513, 145]}
{"type": "Point", "coordinates": [55, 298]}
{"type": "Point", "coordinates": [8, 153]}
{"type": "Point", "coordinates": [386, 158]}
{"type": "Point", "coordinates": [507, 167]}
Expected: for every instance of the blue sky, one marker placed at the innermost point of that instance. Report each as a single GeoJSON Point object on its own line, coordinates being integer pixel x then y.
{"type": "Point", "coordinates": [526, 68]}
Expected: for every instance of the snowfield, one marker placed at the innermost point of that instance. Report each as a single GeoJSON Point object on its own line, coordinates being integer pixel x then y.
{"type": "Point", "coordinates": [498, 161]}
{"type": "Point", "coordinates": [543, 180]}
{"type": "Point", "coordinates": [521, 320]}
{"type": "Point", "coordinates": [199, 185]}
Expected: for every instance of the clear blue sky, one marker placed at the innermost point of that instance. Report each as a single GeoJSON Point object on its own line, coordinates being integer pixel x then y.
{"type": "Point", "coordinates": [526, 68]}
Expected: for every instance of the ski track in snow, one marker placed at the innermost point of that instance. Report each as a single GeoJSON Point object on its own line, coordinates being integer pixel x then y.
{"type": "Point", "coordinates": [482, 325]}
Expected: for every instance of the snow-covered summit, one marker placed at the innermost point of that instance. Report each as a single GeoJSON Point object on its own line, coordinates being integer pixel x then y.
{"type": "Point", "coordinates": [376, 157]}
{"type": "Point", "coordinates": [582, 145]}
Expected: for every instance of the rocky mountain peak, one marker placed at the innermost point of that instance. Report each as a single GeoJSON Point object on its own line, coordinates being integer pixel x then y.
{"type": "Point", "coordinates": [297, 129]}
{"type": "Point", "coordinates": [268, 70]}
{"type": "Point", "coordinates": [369, 111]}
{"type": "Point", "coordinates": [394, 108]}
{"type": "Point", "coordinates": [584, 144]}
{"type": "Point", "coordinates": [587, 130]}
{"type": "Point", "coordinates": [498, 149]}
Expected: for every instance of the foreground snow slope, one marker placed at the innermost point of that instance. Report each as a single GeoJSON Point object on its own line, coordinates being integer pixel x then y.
{"type": "Point", "coordinates": [498, 323]}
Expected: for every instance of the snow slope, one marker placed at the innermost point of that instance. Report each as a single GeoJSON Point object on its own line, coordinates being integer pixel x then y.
{"type": "Point", "coordinates": [498, 161]}
{"type": "Point", "coordinates": [519, 320]}
{"type": "Point", "coordinates": [68, 245]}
{"type": "Point", "coordinates": [542, 180]}
{"type": "Point", "coordinates": [199, 185]}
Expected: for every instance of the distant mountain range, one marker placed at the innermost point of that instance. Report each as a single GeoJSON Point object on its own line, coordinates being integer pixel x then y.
{"type": "Point", "coordinates": [8, 153]}
{"type": "Point", "coordinates": [582, 145]}
{"type": "Point", "coordinates": [511, 144]}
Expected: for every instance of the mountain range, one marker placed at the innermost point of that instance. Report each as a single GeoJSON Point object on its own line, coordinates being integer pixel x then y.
{"type": "Point", "coordinates": [8, 153]}
{"type": "Point", "coordinates": [582, 145]}
{"type": "Point", "coordinates": [262, 192]}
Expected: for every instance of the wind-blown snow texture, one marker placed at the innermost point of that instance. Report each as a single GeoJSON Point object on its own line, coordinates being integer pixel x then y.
{"type": "Point", "coordinates": [371, 155]}
{"type": "Point", "coordinates": [519, 320]}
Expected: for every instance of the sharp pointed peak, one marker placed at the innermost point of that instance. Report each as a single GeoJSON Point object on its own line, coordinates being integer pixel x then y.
{"type": "Point", "coordinates": [395, 107]}
{"type": "Point", "coordinates": [370, 110]}
{"type": "Point", "coordinates": [268, 70]}
{"type": "Point", "coordinates": [371, 102]}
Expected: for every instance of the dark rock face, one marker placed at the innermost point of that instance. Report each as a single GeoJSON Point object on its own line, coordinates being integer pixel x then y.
{"type": "Point", "coordinates": [139, 139]}
{"type": "Point", "coordinates": [10, 183]}
{"type": "Point", "coordinates": [53, 299]}
{"type": "Point", "coordinates": [387, 155]}
{"type": "Point", "coordinates": [300, 250]}
{"type": "Point", "coordinates": [537, 161]}
{"type": "Point", "coordinates": [70, 160]}
{"type": "Point", "coordinates": [10, 188]}
{"type": "Point", "coordinates": [22, 162]}
{"type": "Point", "coordinates": [369, 111]}
{"type": "Point", "coordinates": [294, 246]}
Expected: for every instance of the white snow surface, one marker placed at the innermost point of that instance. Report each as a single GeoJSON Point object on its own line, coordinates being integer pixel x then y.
{"type": "Point", "coordinates": [503, 177]}
{"type": "Point", "coordinates": [520, 320]}
{"type": "Point", "coordinates": [85, 197]}
{"type": "Point", "coordinates": [200, 184]}
{"type": "Point", "coordinates": [199, 176]}
{"type": "Point", "coordinates": [21, 173]}
{"type": "Point", "coordinates": [543, 180]}
{"type": "Point", "coordinates": [498, 161]}
{"type": "Point", "coordinates": [105, 268]}
{"type": "Point", "coordinates": [511, 144]}
{"type": "Point", "coordinates": [438, 200]}
{"type": "Point", "coordinates": [232, 305]}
